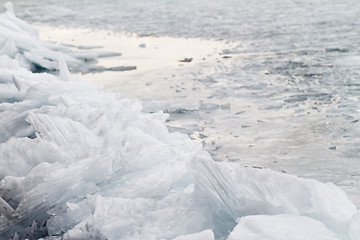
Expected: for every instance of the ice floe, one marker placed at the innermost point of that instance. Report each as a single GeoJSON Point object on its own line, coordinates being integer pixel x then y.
{"type": "Point", "coordinates": [79, 163]}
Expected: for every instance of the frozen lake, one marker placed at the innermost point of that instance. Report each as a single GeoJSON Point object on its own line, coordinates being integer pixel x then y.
{"type": "Point", "coordinates": [276, 86]}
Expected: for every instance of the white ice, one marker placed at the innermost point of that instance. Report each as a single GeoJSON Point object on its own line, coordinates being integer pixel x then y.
{"type": "Point", "coordinates": [280, 227]}
{"type": "Point", "coordinates": [20, 41]}
{"type": "Point", "coordinates": [79, 163]}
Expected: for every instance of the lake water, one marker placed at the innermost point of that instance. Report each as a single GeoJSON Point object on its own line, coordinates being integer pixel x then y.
{"type": "Point", "coordinates": [272, 84]}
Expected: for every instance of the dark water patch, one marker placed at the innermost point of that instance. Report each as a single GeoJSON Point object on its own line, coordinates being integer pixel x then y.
{"type": "Point", "coordinates": [304, 97]}
{"type": "Point", "coordinates": [202, 136]}
{"type": "Point", "coordinates": [241, 112]}
{"type": "Point", "coordinates": [178, 111]}
{"type": "Point", "coordinates": [253, 87]}
{"type": "Point", "coordinates": [270, 107]}
{"type": "Point", "coordinates": [310, 75]}
{"type": "Point", "coordinates": [336, 49]}
{"type": "Point", "coordinates": [88, 47]}
{"type": "Point", "coordinates": [186, 60]}
{"type": "Point", "coordinates": [100, 69]}
{"type": "Point", "coordinates": [186, 131]}
{"type": "Point", "coordinates": [36, 68]}
{"type": "Point", "coordinates": [351, 85]}
{"type": "Point", "coordinates": [207, 80]}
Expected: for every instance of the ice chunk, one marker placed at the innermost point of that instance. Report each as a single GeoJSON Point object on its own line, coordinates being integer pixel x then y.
{"type": "Point", "coordinates": [9, 7]}
{"type": "Point", "coordinates": [22, 161]}
{"type": "Point", "coordinates": [64, 71]}
{"type": "Point", "coordinates": [9, 48]}
{"type": "Point", "coordinates": [64, 133]}
{"type": "Point", "coordinates": [281, 227]}
{"type": "Point", "coordinates": [19, 24]}
{"type": "Point", "coordinates": [243, 191]}
{"type": "Point", "coordinates": [6, 209]}
{"type": "Point", "coordinates": [6, 64]}
{"type": "Point", "coordinates": [20, 40]}
{"type": "Point", "coordinates": [354, 231]}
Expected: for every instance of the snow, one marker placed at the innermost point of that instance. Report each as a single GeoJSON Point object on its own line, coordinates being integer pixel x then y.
{"type": "Point", "coordinates": [81, 163]}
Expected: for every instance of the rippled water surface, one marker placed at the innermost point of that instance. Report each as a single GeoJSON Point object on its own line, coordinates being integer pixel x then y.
{"type": "Point", "coordinates": [283, 94]}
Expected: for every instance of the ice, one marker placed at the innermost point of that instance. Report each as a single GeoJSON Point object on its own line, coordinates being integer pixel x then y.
{"type": "Point", "coordinates": [80, 163]}
{"type": "Point", "coordinates": [280, 227]}
{"type": "Point", "coordinates": [20, 40]}
{"type": "Point", "coordinates": [5, 209]}
{"type": "Point", "coordinates": [9, 49]}
{"type": "Point", "coordinates": [251, 191]}
{"type": "Point", "coordinates": [175, 106]}
{"type": "Point", "coordinates": [204, 235]}
{"type": "Point", "coordinates": [63, 69]}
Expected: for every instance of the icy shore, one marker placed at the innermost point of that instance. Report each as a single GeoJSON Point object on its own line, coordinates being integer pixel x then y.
{"type": "Point", "coordinates": [77, 163]}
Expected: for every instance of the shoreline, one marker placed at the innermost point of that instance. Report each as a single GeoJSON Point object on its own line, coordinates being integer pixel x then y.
{"type": "Point", "coordinates": [161, 57]}
{"type": "Point", "coordinates": [80, 162]}
{"type": "Point", "coordinates": [162, 79]}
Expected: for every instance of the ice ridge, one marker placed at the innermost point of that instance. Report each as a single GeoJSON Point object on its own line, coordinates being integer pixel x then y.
{"type": "Point", "coordinates": [79, 163]}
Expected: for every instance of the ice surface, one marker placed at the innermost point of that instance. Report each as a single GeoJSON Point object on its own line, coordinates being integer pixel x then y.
{"type": "Point", "coordinates": [280, 227]}
{"type": "Point", "coordinates": [204, 235]}
{"type": "Point", "coordinates": [293, 74]}
{"type": "Point", "coordinates": [80, 163]}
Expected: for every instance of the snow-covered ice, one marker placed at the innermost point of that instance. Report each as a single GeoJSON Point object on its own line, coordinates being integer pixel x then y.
{"type": "Point", "coordinates": [80, 163]}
